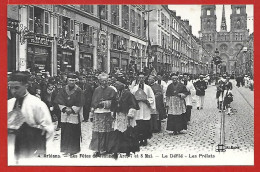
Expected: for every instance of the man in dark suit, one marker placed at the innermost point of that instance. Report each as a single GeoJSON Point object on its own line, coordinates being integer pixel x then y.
{"type": "Point", "coordinates": [88, 92]}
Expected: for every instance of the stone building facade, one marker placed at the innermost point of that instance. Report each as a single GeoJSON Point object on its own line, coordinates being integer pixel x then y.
{"type": "Point", "coordinates": [228, 43]}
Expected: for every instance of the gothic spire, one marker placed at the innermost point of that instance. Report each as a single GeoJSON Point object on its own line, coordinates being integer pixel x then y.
{"type": "Point", "coordinates": [223, 26]}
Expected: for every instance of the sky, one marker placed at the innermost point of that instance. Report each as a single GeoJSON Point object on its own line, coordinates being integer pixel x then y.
{"type": "Point", "coordinates": [193, 12]}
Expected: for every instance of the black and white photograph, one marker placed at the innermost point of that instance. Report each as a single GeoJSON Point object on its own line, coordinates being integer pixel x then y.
{"type": "Point", "coordinates": [130, 85]}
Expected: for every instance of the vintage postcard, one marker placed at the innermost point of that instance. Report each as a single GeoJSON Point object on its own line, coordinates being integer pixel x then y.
{"type": "Point", "coordinates": [130, 85]}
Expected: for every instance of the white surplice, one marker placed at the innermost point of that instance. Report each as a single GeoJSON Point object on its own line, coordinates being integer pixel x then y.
{"type": "Point", "coordinates": [145, 111]}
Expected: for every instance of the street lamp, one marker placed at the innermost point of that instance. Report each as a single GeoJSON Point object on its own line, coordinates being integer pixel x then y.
{"type": "Point", "coordinates": [149, 47]}
{"type": "Point", "coordinates": [217, 60]}
{"type": "Point", "coordinates": [248, 62]}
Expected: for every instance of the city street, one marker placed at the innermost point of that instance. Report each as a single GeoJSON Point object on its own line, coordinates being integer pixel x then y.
{"type": "Point", "coordinates": [203, 133]}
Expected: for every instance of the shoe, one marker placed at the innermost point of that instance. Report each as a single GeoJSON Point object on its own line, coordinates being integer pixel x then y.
{"type": "Point", "coordinates": [183, 132]}
{"type": "Point", "coordinates": [198, 108]}
{"type": "Point", "coordinates": [145, 143]}
{"type": "Point", "coordinates": [141, 143]}
{"type": "Point", "coordinates": [115, 156]}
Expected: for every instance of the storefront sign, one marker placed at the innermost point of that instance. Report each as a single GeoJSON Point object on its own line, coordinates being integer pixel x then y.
{"type": "Point", "coordinates": [38, 39]}
{"type": "Point", "coordinates": [86, 49]}
{"type": "Point", "coordinates": [66, 44]}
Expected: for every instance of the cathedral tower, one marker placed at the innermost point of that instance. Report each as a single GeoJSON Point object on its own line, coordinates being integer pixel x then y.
{"type": "Point", "coordinates": [208, 18]}
{"type": "Point", "coordinates": [223, 26]}
{"type": "Point", "coordinates": [238, 18]}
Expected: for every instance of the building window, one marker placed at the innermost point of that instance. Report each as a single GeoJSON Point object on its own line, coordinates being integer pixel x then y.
{"type": "Point", "coordinates": [86, 34]}
{"type": "Point", "coordinates": [241, 37]}
{"type": "Point", "coordinates": [162, 19]}
{"type": "Point", "coordinates": [124, 44]}
{"type": "Point", "coordinates": [65, 27]}
{"type": "Point", "coordinates": [125, 17]}
{"type": "Point", "coordinates": [115, 41]}
{"type": "Point", "coordinates": [31, 18]}
{"type": "Point", "coordinates": [144, 26]}
{"type": "Point", "coordinates": [38, 20]}
{"type": "Point", "coordinates": [46, 22]}
{"type": "Point", "coordinates": [115, 14]}
{"type": "Point", "coordinates": [87, 8]}
{"type": "Point", "coordinates": [139, 25]}
{"type": "Point", "coordinates": [102, 11]}
{"type": "Point", "coordinates": [132, 21]}
{"type": "Point", "coordinates": [238, 10]}
{"type": "Point", "coordinates": [208, 12]}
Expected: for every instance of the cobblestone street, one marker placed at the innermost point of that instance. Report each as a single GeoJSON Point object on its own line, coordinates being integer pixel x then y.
{"type": "Point", "coordinates": [203, 133]}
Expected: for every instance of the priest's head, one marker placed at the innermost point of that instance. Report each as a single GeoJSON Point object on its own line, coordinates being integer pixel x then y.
{"type": "Point", "coordinates": [71, 79]}
{"type": "Point", "coordinates": [141, 77]}
{"type": "Point", "coordinates": [18, 83]}
{"type": "Point", "coordinates": [103, 79]}
{"type": "Point", "coordinates": [174, 78]}
{"type": "Point", "coordinates": [151, 79]}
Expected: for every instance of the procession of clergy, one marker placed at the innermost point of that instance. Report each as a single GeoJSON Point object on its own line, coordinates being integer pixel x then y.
{"type": "Point", "coordinates": [124, 116]}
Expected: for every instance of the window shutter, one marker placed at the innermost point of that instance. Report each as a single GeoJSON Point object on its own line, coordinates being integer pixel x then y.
{"type": "Point", "coordinates": [72, 29]}
{"type": "Point", "coordinates": [31, 18]}
{"type": "Point", "coordinates": [90, 35]}
{"type": "Point", "coordinates": [81, 32]}
{"type": "Point", "coordinates": [59, 26]}
{"type": "Point", "coordinates": [46, 22]}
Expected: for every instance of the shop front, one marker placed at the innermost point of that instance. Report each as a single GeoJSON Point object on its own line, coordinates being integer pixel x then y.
{"type": "Point", "coordinates": [124, 61]}
{"type": "Point", "coordinates": [65, 56]}
{"type": "Point", "coordinates": [85, 57]}
{"type": "Point", "coordinates": [39, 53]}
{"type": "Point", "coordinates": [114, 61]}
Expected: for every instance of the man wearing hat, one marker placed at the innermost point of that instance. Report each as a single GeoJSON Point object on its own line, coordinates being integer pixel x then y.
{"type": "Point", "coordinates": [88, 92]}
{"type": "Point", "coordinates": [35, 124]}
{"type": "Point", "coordinates": [159, 113]}
{"type": "Point", "coordinates": [200, 87]}
{"type": "Point", "coordinates": [49, 95]}
{"type": "Point", "coordinates": [70, 100]}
